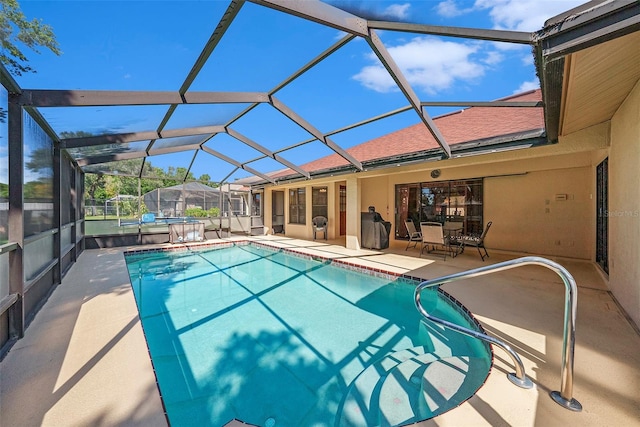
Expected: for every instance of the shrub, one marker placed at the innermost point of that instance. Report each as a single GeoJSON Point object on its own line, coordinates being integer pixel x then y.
{"type": "Point", "coordinates": [197, 212]}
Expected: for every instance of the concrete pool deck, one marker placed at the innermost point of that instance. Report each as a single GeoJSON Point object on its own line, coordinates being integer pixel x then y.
{"type": "Point", "coordinates": [83, 360]}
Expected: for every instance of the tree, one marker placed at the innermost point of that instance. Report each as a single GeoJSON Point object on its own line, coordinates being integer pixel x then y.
{"type": "Point", "coordinates": [15, 28]}
{"type": "Point", "coordinates": [94, 186]}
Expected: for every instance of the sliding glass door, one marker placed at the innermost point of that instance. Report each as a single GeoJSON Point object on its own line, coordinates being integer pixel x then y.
{"type": "Point", "coordinates": [444, 201]}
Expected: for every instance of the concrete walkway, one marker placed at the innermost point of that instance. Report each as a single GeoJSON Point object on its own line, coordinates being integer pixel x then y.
{"type": "Point", "coordinates": [84, 362]}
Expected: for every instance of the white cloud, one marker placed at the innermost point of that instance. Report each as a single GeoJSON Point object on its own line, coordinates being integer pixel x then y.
{"type": "Point", "coordinates": [127, 76]}
{"type": "Point", "coordinates": [523, 15]}
{"type": "Point", "coordinates": [527, 86]}
{"type": "Point", "coordinates": [449, 9]}
{"type": "Point", "coordinates": [398, 11]}
{"type": "Point", "coordinates": [527, 60]}
{"type": "Point", "coordinates": [493, 58]}
{"type": "Point", "coordinates": [428, 63]}
{"type": "Point", "coordinates": [516, 15]}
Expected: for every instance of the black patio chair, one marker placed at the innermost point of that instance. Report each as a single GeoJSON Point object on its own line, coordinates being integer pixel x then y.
{"type": "Point", "coordinates": [476, 241]}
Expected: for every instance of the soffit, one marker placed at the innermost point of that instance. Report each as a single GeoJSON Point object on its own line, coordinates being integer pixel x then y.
{"type": "Point", "coordinates": [598, 81]}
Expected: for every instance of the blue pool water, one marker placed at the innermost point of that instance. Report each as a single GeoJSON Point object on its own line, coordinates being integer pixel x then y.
{"type": "Point", "coordinates": [273, 339]}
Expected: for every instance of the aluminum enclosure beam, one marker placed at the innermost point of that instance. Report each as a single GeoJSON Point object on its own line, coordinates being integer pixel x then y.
{"type": "Point", "coordinates": [298, 73]}
{"type": "Point", "coordinates": [227, 18]}
{"type": "Point", "coordinates": [315, 61]}
{"type": "Point", "coordinates": [103, 98]}
{"type": "Point", "coordinates": [517, 37]}
{"type": "Point", "coordinates": [266, 152]}
{"type": "Point", "coordinates": [277, 104]}
{"type": "Point", "coordinates": [321, 13]}
{"type": "Point", "coordinates": [392, 68]}
{"type": "Point", "coordinates": [7, 80]}
{"type": "Point", "coordinates": [222, 27]}
{"type": "Point", "coordinates": [121, 138]}
{"type": "Point", "coordinates": [237, 164]}
{"type": "Point", "coordinates": [106, 158]}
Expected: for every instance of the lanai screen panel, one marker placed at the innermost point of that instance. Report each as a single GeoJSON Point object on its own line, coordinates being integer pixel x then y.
{"type": "Point", "coordinates": [350, 137]}
{"type": "Point", "coordinates": [232, 147]}
{"type": "Point", "coordinates": [4, 191]}
{"type": "Point", "coordinates": [306, 80]}
{"type": "Point", "coordinates": [131, 148]}
{"type": "Point", "coordinates": [261, 63]}
{"type": "Point", "coordinates": [270, 128]}
{"type": "Point", "coordinates": [215, 168]}
{"type": "Point", "coordinates": [177, 142]}
{"type": "Point", "coordinates": [103, 120]}
{"type": "Point", "coordinates": [38, 196]}
{"type": "Point", "coordinates": [156, 55]}
{"type": "Point", "coordinates": [4, 172]}
{"type": "Point", "coordinates": [175, 165]}
{"type": "Point", "coordinates": [300, 154]}
{"type": "Point", "coordinates": [38, 178]}
{"type": "Point", "coordinates": [194, 115]}
{"type": "Point", "coordinates": [350, 80]}
{"type": "Point", "coordinates": [176, 200]}
{"type": "Point", "coordinates": [129, 167]}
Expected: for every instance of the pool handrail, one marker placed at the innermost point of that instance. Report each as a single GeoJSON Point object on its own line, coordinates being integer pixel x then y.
{"type": "Point", "coordinates": [564, 396]}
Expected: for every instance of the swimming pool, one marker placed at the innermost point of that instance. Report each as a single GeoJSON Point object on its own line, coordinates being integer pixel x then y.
{"type": "Point", "coordinates": [269, 338]}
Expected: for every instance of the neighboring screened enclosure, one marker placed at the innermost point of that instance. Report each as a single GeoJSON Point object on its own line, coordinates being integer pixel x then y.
{"type": "Point", "coordinates": [196, 199]}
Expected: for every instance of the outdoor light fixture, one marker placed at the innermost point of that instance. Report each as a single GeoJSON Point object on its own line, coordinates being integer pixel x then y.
{"type": "Point", "coordinates": [435, 173]}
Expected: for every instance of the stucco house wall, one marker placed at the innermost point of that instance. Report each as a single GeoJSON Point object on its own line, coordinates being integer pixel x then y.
{"type": "Point", "coordinates": [624, 205]}
{"type": "Point", "coordinates": [535, 206]}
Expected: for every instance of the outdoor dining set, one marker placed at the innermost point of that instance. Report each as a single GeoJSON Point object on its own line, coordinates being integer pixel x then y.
{"type": "Point", "coordinates": [448, 238]}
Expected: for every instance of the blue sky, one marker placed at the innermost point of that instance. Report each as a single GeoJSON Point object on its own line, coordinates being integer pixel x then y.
{"type": "Point", "coordinates": [152, 45]}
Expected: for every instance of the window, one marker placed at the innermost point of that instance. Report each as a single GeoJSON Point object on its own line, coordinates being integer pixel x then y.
{"type": "Point", "coordinates": [297, 206]}
{"type": "Point", "coordinates": [319, 202]}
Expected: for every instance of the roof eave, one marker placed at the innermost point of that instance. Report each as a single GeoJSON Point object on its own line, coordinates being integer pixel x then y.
{"type": "Point", "coordinates": [519, 140]}
{"type": "Point", "coordinates": [585, 26]}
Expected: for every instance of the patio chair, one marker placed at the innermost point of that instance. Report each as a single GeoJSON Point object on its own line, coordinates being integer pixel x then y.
{"type": "Point", "coordinates": [414, 235]}
{"type": "Point", "coordinates": [319, 226]}
{"type": "Point", "coordinates": [476, 241]}
{"type": "Point", "coordinates": [433, 235]}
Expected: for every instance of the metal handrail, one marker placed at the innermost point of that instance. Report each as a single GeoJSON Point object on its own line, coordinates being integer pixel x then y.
{"type": "Point", "coordinates": [564, 396]}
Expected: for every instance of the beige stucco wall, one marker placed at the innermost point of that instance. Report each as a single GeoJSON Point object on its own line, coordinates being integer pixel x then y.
{"type": "Point", "coordinates": [624, 205]}
{"type": "Point", "coordinates": [542, 212]}
{"type": "Point", "coordinates": [521, 195]}
{"type": "Point", "coordinates": [520, 200]}
{"type": "Point", "coordinates": [375, 192]}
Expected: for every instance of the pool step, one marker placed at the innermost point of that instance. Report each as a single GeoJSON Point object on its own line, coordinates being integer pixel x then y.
{"type": "Point", "coordinates": [408, 386]}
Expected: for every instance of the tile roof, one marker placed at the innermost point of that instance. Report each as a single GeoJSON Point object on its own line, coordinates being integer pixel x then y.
{"type": "Point", "coordinates": [470, 124]}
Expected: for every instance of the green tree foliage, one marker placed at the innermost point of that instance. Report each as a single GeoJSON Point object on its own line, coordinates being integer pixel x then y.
{"type": "Point", "coordinates": [201, 213]}
{"type": "Point", "coordinates": [16, 29]}
{"type": "Point", "coordinates": [101, 187]}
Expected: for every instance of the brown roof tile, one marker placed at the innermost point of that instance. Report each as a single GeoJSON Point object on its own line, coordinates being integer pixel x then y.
{"type": "Point", "coordinates": [466, 125]}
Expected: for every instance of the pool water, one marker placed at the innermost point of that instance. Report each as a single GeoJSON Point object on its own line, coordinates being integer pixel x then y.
{"type": "Point", "coordinates": [270, 338]}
